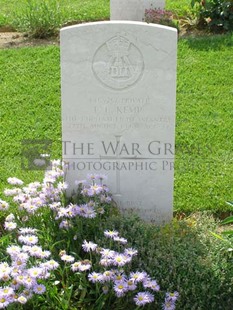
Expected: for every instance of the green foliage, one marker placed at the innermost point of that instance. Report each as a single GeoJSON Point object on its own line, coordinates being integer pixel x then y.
{"type": "Point", "coordinates": [227, 221]}
{"type": "Point", "coordinates": [39, 216]}
{"type": "Point", "coordinates": [215, 14]}
{"type": "Point", "coordinates": [44, 17]}
{"type": "Point", "coordinates": [75, 11]}
{"type": "Point", "coordinates": [180, 7]}
{"type": "Point", "coordinates": [3, 20]}
{"type": "Point", "coordinates": [202, 100]}
{"type": "Point", "coordinates": [40, 18]}
{"type": "Point", "coordinates": [181, 256]}
{"type": "Point", "coordinates": [185, 257]}
{"type": "Point", "coordinates": [30, 109]}
{"type": "Point", "coordinates": [226, 235]}
{"type": "Point", "coordinates": [30, 81]}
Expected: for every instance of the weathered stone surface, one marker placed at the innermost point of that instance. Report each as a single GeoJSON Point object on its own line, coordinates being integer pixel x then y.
{"type": "Point", "coordinates": [118, 111]}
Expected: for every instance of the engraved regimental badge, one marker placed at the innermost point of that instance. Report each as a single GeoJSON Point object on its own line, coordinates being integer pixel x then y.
{"type": "Point", "coordinates": [118, 63]}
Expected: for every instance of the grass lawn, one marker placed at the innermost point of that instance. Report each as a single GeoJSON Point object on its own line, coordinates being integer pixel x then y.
{"type": "Point", "coordinates": [182, 256]}
{"type": "Point", "coordinates": [30, 109]}
{"type": "Point", "coordinates": [71, 10]}
{"type": "Point", "coordinates": [78, 10]}
{"type": "Point", "coordinates": [204, 163]}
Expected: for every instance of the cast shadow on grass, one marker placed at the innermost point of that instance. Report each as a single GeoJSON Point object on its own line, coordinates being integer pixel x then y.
{"type": "Point", "coordinates": [211, 42]}
{"type": "Point", "coordinates": [183, 256]}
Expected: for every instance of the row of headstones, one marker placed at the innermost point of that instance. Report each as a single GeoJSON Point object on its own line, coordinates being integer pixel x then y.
{"type": "Point", "coordinates": [133, 9]}
{"type": "Point", "coordinates": [118, 83]}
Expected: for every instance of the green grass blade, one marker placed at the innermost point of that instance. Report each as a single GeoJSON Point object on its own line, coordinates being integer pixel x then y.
{"type": "Point", "coordinates": [217, 236]}
{"type": "Point", "coordinates": [228, 220]}
{"type": "Point", "coordinates": [228, 232]}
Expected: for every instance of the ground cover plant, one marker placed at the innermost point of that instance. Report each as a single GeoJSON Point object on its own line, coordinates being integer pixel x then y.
{"type": "Point", "coordinates": [86, 275]}
{"type": "Point", "coordinates": [71, 254]}
{"type": "Point", "coordinates": [215, 14]}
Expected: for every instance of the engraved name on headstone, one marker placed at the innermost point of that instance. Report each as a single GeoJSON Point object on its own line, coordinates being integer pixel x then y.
{"type": "Point", "coordinates": [118, 111]}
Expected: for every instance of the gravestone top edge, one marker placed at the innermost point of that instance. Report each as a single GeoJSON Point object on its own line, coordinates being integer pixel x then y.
{"type": "Point", "coordinates": [119, 22]}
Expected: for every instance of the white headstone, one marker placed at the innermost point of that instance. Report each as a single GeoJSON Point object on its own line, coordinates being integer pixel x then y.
{"type": "Point", "coordinates": [133, 9]}
{"type": "Point", "coordinates": [118, 111]}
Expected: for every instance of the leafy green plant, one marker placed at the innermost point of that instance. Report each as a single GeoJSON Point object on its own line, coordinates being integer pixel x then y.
{"type": "Point", "coordinates": [75, 272]}
{"type": "Point", "coordinates": [40, 18]}
{"type": "Point", "coordinates": [227, 221]}
{"type": "Point", "coordinates": [215, 14]}
{"type": "Point", "coordinates": [185, 257]}
{"type": "Point", "coordinates": [192, 17]}
{"type": "Point", "coordinates": [226, 235]}
{"type": "Point", "coordinates": [180, 256]}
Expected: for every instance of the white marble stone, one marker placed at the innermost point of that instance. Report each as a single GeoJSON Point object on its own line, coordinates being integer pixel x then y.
{"type": "Point", "coordinates": [132, 9]}
{"type": "Point", "coordinates": [118, 111]}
